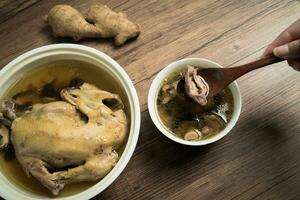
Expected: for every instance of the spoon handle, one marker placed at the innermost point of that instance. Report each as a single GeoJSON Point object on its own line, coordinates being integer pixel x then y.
{"type": "Point", "coordinates": [219, 78]}
{"type": "Point", "coordinates": [262, 62]}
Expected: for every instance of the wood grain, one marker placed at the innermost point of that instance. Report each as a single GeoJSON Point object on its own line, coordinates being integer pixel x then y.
{"type": "Point", "coordinates": [259, 159]}
{"type": "Point", "coordinates": [10, 8]}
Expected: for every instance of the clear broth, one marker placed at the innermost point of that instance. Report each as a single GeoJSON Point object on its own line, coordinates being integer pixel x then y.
{"type": "Point", "coordinates": [175, 113]}
{"type": "Point", "coordinates": [62, 72]}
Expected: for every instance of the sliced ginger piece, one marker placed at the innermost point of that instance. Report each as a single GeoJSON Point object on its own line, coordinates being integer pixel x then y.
{"type": "Point", "coordinates": [100, 21]}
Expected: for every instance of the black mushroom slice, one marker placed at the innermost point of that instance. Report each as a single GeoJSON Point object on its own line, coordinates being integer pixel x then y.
{"type": "Point", "coordinates": [49, 94]}
{"type": "Point", "coordinates": [4, 137]}
{"type": "Point", "coordinates": [221, 111]}
{"type": "Point", "coordinates": [193, 135]}
{"type": "Point", "coordinates": [214, 123]}
{"type": "Point", "coordinates": [48, 90]}
{"type": "Point", "coordinates": [188, 130]}
{"type": "Point", "coordinates": [76, 83]}
{"type": "Point", "coordinates": [113, 103]}
{"type": "Point", "coordinates": [220, 98]}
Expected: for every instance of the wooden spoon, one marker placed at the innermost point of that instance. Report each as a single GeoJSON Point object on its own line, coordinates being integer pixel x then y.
{"type": "Point", "coordinates": [219, 78]}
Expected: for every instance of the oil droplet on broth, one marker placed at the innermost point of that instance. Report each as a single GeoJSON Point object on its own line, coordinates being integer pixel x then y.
{"type": "Point", "coordinates": [60, 73]}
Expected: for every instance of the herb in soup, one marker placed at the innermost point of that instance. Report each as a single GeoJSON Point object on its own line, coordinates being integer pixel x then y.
{"type": "Point", "coordinates": [190, 117]}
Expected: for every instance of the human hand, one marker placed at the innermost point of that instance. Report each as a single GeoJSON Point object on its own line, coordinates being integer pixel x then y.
{"type": "Point", "coordinates": [287, 45]}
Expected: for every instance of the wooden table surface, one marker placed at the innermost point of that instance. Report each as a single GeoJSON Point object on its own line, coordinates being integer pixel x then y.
{"type": "Point", "coordinates": [259, 159]}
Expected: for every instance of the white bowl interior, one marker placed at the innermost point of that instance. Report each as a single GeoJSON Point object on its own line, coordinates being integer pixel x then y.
{"type": "Point", "coordinates": [16, 70]}
{"type": "Point", "coordinates": [178, 66]}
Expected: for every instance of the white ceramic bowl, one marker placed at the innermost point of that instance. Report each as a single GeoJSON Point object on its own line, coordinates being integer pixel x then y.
{"type": "Point", "coordinates": [175, 67]}
{"type": "Point", "coordinates": [13, 71]}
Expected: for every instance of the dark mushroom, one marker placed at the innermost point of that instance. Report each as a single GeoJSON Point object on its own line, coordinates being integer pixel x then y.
{"type": "Point", "coordinates": [220, 98]}
{"type": "Point", "coordinates": [192, 135]}
{"type": "Point", "coordinates": [205, 130]}
{"type": "Point", "coordinates": [48, 90]}
{"type": "Point", "coordinates": [214, 123]}
{"type": "Point", "coordinates": [76, 82]}
{"type": "Point", "coordinates": [187, 127]}
{"type": "Point", "coordinates": [221, 111]}
{"type": "Point", "coordinates": [113, 103]}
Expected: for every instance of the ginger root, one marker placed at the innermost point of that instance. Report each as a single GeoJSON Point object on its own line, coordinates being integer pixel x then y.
{"type": "Point", "coordinates": [100, 21]}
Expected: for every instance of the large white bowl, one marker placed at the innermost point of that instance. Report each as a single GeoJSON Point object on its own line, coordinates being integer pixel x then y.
{"type": "Point", "coordinates": [13, 71]}
{"type": "Point", "coordinates": [179, 66]}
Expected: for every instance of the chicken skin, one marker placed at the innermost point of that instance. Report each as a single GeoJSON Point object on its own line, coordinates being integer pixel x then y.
{"type": "Point", "coordinates": [71, 140]}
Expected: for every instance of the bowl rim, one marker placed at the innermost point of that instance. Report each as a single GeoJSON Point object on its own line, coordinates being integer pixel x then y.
{"type": "Point", "coordinates": [153, 92]}
{"type": "Point", "coordinates": [134, 108]}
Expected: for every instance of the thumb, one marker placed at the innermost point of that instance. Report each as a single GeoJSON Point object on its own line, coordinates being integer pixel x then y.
{"type": "Point", "coordinates": [288, 51]}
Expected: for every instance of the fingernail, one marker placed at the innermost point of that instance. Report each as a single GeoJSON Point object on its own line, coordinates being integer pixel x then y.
{"type": "Point", "coordinates": [281, 51]}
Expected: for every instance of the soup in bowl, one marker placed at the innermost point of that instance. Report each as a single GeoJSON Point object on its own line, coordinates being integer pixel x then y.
{"type": "Point", "coordinates": [179, 109]}
{"type": "Point", "coordinates": [73, 118]}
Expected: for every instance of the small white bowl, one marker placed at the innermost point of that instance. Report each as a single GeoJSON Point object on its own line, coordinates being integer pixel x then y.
{"type": "Point", "coordinates": [175, 67]}
{"type": "Point", "coordinates": [36, 58]}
